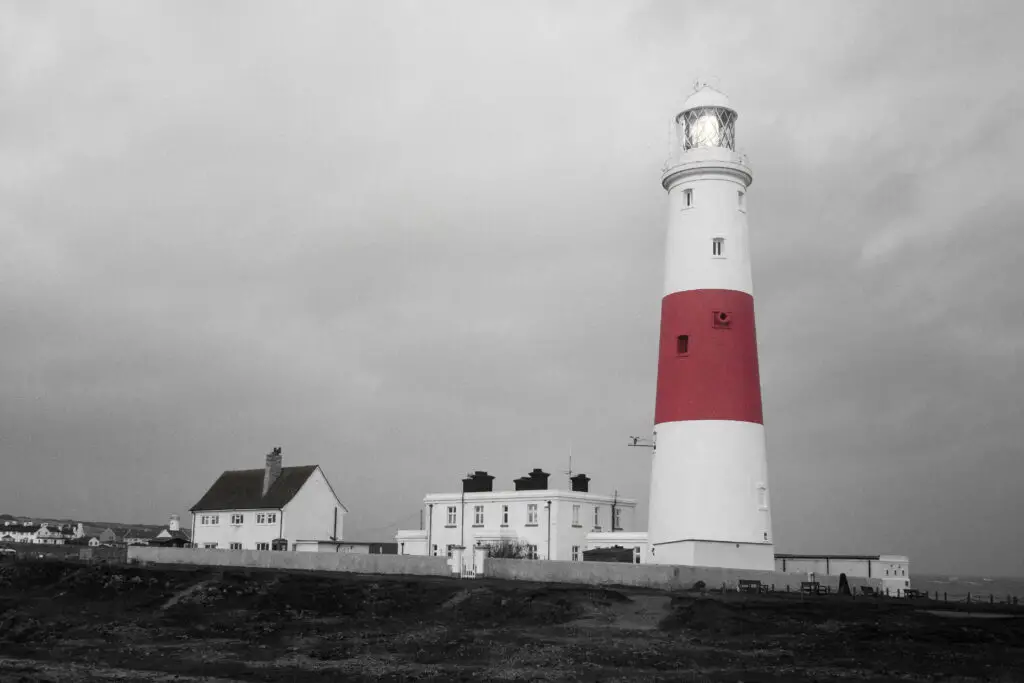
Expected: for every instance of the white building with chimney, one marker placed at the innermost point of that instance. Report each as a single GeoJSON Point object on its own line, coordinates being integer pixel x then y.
{"type": "Point", "coordinates": [272, 508]}
{"type": "Point", "coordinates": [554, 524]}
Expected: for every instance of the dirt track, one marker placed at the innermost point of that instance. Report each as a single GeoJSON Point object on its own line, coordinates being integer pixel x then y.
{"type": "Point", "coordinates": [69, 622]}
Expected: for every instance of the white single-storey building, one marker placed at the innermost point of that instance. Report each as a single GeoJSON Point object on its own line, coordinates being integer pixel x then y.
{"type": "Point", "coordinates": [893, 570]}
{"type": "Point", "coordinates": [268, 509]}
{"type": "Point", "coordinates": [553, 524]}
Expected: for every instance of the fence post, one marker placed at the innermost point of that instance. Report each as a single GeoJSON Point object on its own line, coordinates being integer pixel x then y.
{"type": "Point", "coordinates": [968, 598]}
{"type": "Point", "coordinates": [945, 597]}
{"type": "Point", "coordinates": [990, 598]}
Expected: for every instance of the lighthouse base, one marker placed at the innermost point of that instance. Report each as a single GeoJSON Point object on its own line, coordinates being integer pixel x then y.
{"type": "Point", "coordinates": [714, 554]}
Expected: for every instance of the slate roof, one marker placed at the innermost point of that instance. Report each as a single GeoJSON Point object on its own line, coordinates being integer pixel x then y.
{"type": "Point", "coordinates": [243, 489]}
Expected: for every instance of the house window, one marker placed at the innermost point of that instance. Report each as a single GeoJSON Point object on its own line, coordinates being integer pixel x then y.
{"type": "Point", "coordinates": [261, 517]}
{"type": "Point", "coordinates": [236, 546]}
{"type": "Point", "coordinates": [575, 515]}
{"type": "Point", "coordinates": [597, 517]}
{"type": "Point", "coordinates": [617, 523]}
{"type": "Point", "coordinates": [213, 546]}
{"type": "Point", "coordinates": [262, 546]}
{"type": "Point", "coordinates": [450, 546]}
{"type": "Point", "coordinates": [682, 344]}
{"type": "Point", "coordinates": [209, 520]}
{"type": "Point", "coordinates": [451, 516]}
{"type": "Point", "coordinates": [687, 198]}
{"type": "Point", "coordinates": [717, 245]}
{"type": "Point", "coordinates": [504, 515]}
{"type": "Point", "coordinates": [478, 515]}
{"type": "Point", "coordinates": [271, 518]}
{"type": "Point", "coordinates": [531, 551]}
{"type": "Point", "coordinates": [435, 550]}
{"type": "Point", "coordinates": [531, 514]}
{"type": "Point", "coordinates": [237, 519]}
{"type": "Point", "coordinates": [575, 553]}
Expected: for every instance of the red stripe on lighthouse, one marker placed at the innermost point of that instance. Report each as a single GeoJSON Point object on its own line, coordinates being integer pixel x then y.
{"type": "Point", "coordinates": [711, 373]}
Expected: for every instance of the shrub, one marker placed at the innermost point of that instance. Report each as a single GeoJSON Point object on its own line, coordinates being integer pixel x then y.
{"type": "Point", "coordinates": [510, 550]}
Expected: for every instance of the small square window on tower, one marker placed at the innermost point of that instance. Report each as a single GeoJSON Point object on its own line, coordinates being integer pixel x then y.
{"type": "Point", "coordinates": [687, 198]}
{"type": "Point", "coordinates": [682, 344]}
{"type": "Point", "coordinates": [717, 246]}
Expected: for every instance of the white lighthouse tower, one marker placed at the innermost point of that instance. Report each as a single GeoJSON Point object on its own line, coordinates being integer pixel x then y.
{"type": "Point", "coordinates": [709, 503]}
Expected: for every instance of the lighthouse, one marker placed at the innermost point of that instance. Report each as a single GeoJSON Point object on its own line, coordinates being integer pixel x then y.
{"type": "Point", "coordinates": [709, 501]}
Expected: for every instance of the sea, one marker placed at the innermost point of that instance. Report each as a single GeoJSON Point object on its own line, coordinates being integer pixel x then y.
{"type": "Point", "coordinates": [956, 588]}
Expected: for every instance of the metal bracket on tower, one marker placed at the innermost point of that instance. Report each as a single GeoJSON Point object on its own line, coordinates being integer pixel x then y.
{"type": "Point", "coordinates": [640, 442]}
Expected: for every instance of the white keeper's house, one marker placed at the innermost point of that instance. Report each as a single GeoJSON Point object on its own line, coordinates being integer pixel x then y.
{"type": "Point", "coordinates": [273, 508]}
{"type": "Point", "coordinates": [554, 524]}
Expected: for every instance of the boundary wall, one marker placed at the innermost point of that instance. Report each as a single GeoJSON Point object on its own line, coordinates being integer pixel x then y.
{"type": "Point", "coordinates": [271, 559]}
{"type": "Point", "coordinates": [662, 577]}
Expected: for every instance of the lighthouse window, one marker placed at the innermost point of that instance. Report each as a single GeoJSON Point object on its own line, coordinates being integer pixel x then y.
{"type": "Point", "coordinates": [743, 200]}
{"type": "Point", "coordinates": [682, 344]}
{"type": "Point", "coordinates": [717, 245]}
{"type": "Point", "coordinates": [687, 197]}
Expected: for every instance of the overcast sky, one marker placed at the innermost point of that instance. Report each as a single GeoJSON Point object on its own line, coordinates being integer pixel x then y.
{"type": "Point", "coordinates": [408, 240]}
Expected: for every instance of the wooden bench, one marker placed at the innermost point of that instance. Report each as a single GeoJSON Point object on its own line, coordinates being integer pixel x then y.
{"type": "Point", "coordinates": [812, 588]}
{"type": "Point", "coordinates": [752, 586]}
{"type": "Point", "coordinates": [913, 593]}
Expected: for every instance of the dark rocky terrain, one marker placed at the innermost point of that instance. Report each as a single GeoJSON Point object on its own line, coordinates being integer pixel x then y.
{"type": "Point", "coordinates": [64, 621]}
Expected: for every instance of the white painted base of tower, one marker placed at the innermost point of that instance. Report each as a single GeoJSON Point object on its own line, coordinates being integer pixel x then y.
{"type": "Point", "coordinates": [716, 554]}
{"type": "Point", "coordinates": [709, 494]}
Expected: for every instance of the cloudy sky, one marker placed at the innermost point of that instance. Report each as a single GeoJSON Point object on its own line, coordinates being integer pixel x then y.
{"type": "Point", "coordinates": [406, 240]}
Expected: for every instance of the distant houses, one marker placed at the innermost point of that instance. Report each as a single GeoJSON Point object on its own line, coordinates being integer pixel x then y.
{"type": "Point", "coordinates": [49, 533]}
{"type": "Point", "coordinates": [36, 532]}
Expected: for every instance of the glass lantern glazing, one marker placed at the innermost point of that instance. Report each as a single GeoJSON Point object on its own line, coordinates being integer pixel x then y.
{"type": "Point", "coordinates": [708, 127]}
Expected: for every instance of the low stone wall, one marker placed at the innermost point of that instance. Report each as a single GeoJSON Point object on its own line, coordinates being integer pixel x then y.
{"type": "Point", "coordinates": [662, 577]}
{"type": "Point", "coordinates": [269, 559]}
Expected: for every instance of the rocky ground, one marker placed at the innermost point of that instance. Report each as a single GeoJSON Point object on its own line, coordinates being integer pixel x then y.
{"type": "Point", "coordinates": [62, 621]}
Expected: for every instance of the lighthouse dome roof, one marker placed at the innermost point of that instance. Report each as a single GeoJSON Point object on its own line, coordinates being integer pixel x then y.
{"type": "Point", "coordinates": [706, 96]}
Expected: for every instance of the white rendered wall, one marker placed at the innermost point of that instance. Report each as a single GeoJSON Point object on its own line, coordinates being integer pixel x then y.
{"type": "Point", "coordinates": [309, 516]}
{"type": "Point", "coordinates": [706, 486]}
{"type": "Point", "coordinates": [564, 535]}
{"type": "Point", "coordinates": [412, 542]}
{"type": "Point", "coordinates": [224, 533]}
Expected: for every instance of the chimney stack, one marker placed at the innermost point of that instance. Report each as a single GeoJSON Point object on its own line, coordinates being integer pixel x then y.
{"type": "Point", "coordinates": [581, 483]}
{"type": "Point", "coordinates": [272, 470]}
{"type": "Point", "coordinates": [537, 480]}
{"type": "Point", "coordinates": [478, 482]}
{"type": "Point", "coordinates": [173, 524]}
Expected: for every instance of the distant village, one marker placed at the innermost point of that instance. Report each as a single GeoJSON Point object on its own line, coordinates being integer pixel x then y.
{"type": "Point", "coordinates": [47, 532]}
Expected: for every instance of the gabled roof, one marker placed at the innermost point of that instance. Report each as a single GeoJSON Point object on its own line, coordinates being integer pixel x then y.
{"type": "Point", "coordinates": [243, 490]}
